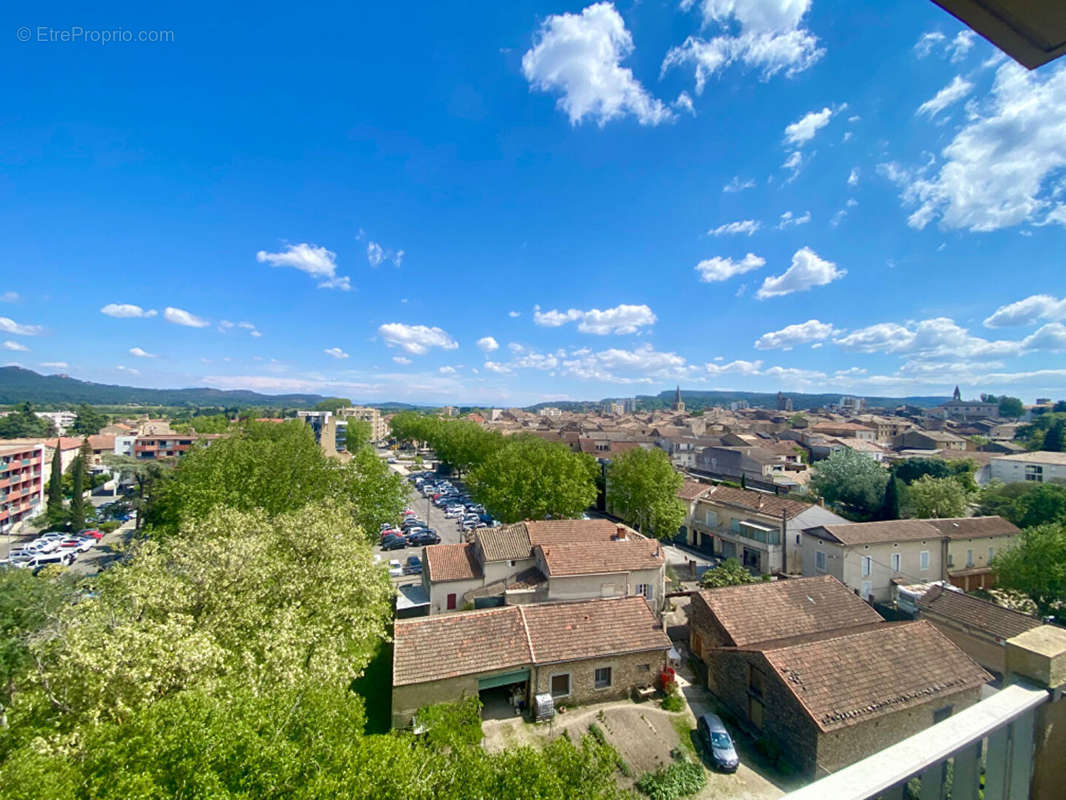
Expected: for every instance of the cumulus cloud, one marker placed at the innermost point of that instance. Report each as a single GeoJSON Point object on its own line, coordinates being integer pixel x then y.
{"type": "Point", "coordinates": [486, 344]}
{"type": "Point", "coordinates": [514, 314]}
{"type": "Point", "coordinates": [142, 353]}
{"type": "Point", "coordinates": [713, 270]}
{"type": "Point", "coordinates": [127, 311]}
{"type": "Point", "coordinates": [1051, 337]}
{"type": "Point", "coordinates": [802, 333]}
{"type": "Point", "coordinates": [401, 360]}
{"type": "Point", "coordinates": [1036, 308]}
{"type": "Point", "coordinates": [579, 57]}
{"type": "Point", "coordinates": [788, 219]}
{"type": "Point", "coordinates": [498, 368]}
{"type": "Point", "coordinates": [415, 339]}
{"type": "Point", "coordinates": [9, 297]}
{"type": "Point", "coordinates": [927, 42]}
{"type": "Point", "coordinates": [739, 185]}
{"type": "Point", "coordinates": [622, 319]}
{"type": "Point", "coordinates": [733, 368]}
{"type": "Point", "coordinates": [55, 364]}
{"type": "Point", "coordinates": [804, 129]}
{"type": "Point", "coordinates": [318, 262]}
{"type": "Point", "coordinates": [952, 93]}
{"type": "Point", "coordinates": [769, 37]}
{"type": "Point", "coordinates": [935, 338]}
{"type": "Point", "coordinates": [447, 370]}
{"type": "Point", "coordinates": [335, 352]}
{"type": "Point", "coordinates": [936, 42]}
{"type": "Point", "coordinates": [8, 325]}
{"type": "Point", "coordinates": [853, 177]}
{"type": "Point", "coordinates": [128, 370]}
{"type": "Point", "coordinates": [807, 271]}
{"type": "Point", "coordinates": [794, 163]}
{"type": "Point", "coordinates": [1002, 168]}
{"type": "Point", "coordinates": [16, 346]}
{"type": "Point", "coordinates": [748, 226]}
{"type": "Point", "coordinates": [181, 317]}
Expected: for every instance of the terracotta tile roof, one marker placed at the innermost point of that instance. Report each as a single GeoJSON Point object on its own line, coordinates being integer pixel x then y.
{"type": "Point", "coordinates": [509, 543]}
{"type": "Point", "coordinates": [974, 527]}
{"type": "Point", "coordinates": [975, 613]}
{"type": "Point", "coordinates": [439, 647]}
{"type": "Point", "coordinates": [527, 579]}
{"type": "Point", "coordinates": [451, 562]}
{"type": "Point", "coordinates": [102, 441]}
{"type": "Point", "coordinates": [594, 558]}
{"type": "Point", "coordinates": [515, 542]}
{"type": "Point", "coordinates": [592, 629]}
{"type": "Point", "coordinates": [690, 490]}
{"type": "Point", "coordinates": [897, 530]}
{"type": "Point", "coordinates": [848, 678]}
{"type": "Point", "coordinates": [751, 500]}
{"type": "Point", "coordinates": [433, 648]}
{"type": "Point", "coordinates": [761, 612]}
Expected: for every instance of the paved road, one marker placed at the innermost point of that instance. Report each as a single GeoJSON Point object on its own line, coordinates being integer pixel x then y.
{"type": "Point", "coordinates": [104, 552]}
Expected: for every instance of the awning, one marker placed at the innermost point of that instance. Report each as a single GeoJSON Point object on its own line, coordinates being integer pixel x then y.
{"type": "Point", "coordinates": [503, 679]}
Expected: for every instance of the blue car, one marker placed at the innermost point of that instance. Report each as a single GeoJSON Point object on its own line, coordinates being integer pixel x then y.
{"type": "Point", "coordinates": [414, 565]}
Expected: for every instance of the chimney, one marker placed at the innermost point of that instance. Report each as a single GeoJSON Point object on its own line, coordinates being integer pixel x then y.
{"type": "Point", "coordinates": [620, 534]}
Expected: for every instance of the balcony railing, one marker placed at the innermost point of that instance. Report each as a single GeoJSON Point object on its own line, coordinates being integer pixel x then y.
{"type": "Point", "coordinates": [989, 745]}
{"type": "Point", "coordinates": [769, 538]}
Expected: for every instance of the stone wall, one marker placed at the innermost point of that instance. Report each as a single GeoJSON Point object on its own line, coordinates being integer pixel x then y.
{"type": "Point", "coordinates": [627, 672]}
{"type": "Point", "coordinates": [979, 647]}
{"type": "Point", "coordinates": [406, 700]}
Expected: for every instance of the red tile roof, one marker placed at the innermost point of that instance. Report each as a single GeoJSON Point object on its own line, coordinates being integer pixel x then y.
{"type": "Point", "coordinates": [592, 629]}
{"type": "Point", "coordinates": [853, 676]}
{"type": "Point", "coordinates": [760, 502]}
{"type": "Point", "coordinates": [690, 490]}
{"type": "Point", "coordinates": [759, 612]}
{"type": "Point", "coordinates": [515, 542]}
{"type": "Point", "coordinates": [973, 612]}
{"type": "Point", "coordinates": [974, 527]}
{"type": "Point", "coordinates": [451, 562]}
{"type": "Point", "coordinates": [897, 530]}
{"type": "Point", "coordinates": [593, 558]}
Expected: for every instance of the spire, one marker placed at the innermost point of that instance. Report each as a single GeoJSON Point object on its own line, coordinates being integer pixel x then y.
{"type": "Point", "coordinates": [677, 394]}
{"type": "Point", "coordinates": [958, 394]}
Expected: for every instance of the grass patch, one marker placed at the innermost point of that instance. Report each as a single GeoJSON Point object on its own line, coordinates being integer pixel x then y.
{"type": "Point", "coordinates": [681, 779]}
{"type": "Point", "coordinates": [684, 733]}
{"type": "Point", "coordinates": [673, 702]}
{"type": "Point", "coordinates": [375, 687]}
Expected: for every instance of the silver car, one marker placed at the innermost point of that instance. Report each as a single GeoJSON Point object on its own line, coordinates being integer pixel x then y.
{"type": "Point", "coordinates": [717, 742]}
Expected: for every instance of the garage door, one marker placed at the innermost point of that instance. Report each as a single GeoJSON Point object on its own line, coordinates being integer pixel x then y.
{"type": "Point", "coordinates": [519, 676]}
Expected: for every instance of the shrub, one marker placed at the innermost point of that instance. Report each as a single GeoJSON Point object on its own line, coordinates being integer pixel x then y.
{"type": "Point", "coordinates": [674, 781]}
{"type": "Point", "coordinates": [108, 527]}
{"type": "Point", "coordinates": [673, 702]}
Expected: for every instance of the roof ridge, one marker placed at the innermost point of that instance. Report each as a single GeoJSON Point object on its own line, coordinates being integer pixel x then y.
{"type": "Point", "coordinates": [529, 638]}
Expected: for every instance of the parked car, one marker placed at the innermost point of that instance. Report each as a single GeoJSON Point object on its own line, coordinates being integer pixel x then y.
{"type": "Point", "coordinates": [414, 565]}
{"type": "Point", "coordinates": [40, 561]}
{"type": "Point", "coordinates": [423, 537]}
{"type": "Point", "coordinates": [395, 569]}
{"type": "Point", "coordinates": [93, 532]}
{"type": "Point", "coordinates": [717, 743]}
{"type": "Point", "coordinates": [393, 542]}
{"type": "Point", "coordinates": [79, 543]}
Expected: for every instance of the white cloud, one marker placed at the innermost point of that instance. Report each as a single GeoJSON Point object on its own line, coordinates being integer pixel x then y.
{"type": "Point", "coordinates": [141, 353]}
{"type": "Point", "coordinates": [335, 352]}
{"type": "Point", "coordinates": [1050, 337]}
{"type": "Point", "coordinates": [17, 346]}
{"type": "Point", "coordinates": [748, 226]}
{"type": "Point", "coordinates": [961, 45]}
{"type": "Point", "coordinates": [1001, 168]}
{"type": "Point", "coordinates": [793, 163]}
{"type": "Point", "coordinates": [128, 370]}
{"type": "Point", "coordinates": [956, 49]}
{"type": "Point", "coordinates": [55, 364]}
{"type": "Point", "coordinates": [494, 366]}
{"type": "Point", "coordinates": [127, 311]}
{"type": "Point", "coordinates": [684, 103]}
{"type": "Point", "coordinates": [771, 38]}
{"type": "Point", "coordinates": [514, 314]}
{"type": "Point", "coordinates": [415, 339]}
{"type": "Point", "coordinates": [401, 360]}
{"type": "Point", "coordinates": [318, 262]}
{"type": "Point", "coordinates": [952, 93]}
{"type": "Point", "coordinates": [936, 338]}
{"type": "Point", "coordinates": [622, 319]}
{"type": "Point", "coordinates": [1036, 308]}
{"type": "Point", "coordinates": [8, 325]}
{"type": "Point", "coordinates": [486, 344]}
{"type": "Point", "coordinates": [734, 368]}
{"type": "Point", "coordinates": [579, 56]}
{"type": "Point", "coordinates": [803, 130]}
{"type": "Point", "coordinates": [789, 219]}
{"type": "Point", "coordinates": [808, 270]}
{"type": "Point", "coordinates": [9, 297]}
{"type": "Point", "coordinates": [739, 185]}
{"type": "Point", "coordinates": [447, 370]}
{"type": "Point", "coordinates": [716, 269]}
{"type": "Point", "coordinates": [374, 254]}
{"type": "Point", "coordinates": [927, 42]}
{"type": "Point", "coordinates": [802, 333]}
{"type": "Point", "coordinates": [853, 177]}
{"type": "Point", "coordinates": [642, 365]}
{"type": "Point", "coordinates": [181, 317]}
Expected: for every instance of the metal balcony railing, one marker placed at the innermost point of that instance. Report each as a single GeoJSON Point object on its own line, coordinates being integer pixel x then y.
{"type": "Point", "coordinates": [987, 746]}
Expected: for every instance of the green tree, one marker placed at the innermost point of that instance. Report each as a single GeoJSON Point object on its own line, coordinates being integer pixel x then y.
{"type": "Point", "coordinates": [642, 488]}
{"type": "Point", "coordinates": [930, 498]}
{"type": "Point", "coordinates": [529, 478]}
{"type": "Point", "coordinates": [88, 421]}
{"type": "Point", "coordinates": [729, 573]}
{"type": "Point", "coordinates": [852, 482]}
{"type": "Point", "coordinates": [56, 508]}
{"type": "Point", "coordinates": [1010, 407]}
{"type": "Point", "coordinates": [23, 423]}
{"type": "Point", "coordinates": [1036, 566]}
{"type": "Point", "coordinates": [911, 469]}
{"type": "Point", "coordinates": [1055, 437]}
{"type": "Point", "coordinates": [77, 499]}
{"type": "Point", "coordinates": [1059, 407]}
{"type": "Point", "coordinates": [890, 507]}
{"type": "Point", "coordinates": [147, 474]}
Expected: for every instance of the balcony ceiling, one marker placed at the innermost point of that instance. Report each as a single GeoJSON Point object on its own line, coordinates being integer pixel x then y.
{"type": "Point", "coordinates": [1032, 32]}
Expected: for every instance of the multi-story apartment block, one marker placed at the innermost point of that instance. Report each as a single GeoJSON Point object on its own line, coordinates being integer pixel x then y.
{"type": "Point", "coordinates": [379, 428]}
{"type": "Point", "coordinates": [21, 484]}
{"type": "Point", "coordinates": [63, 420]}
{"type": "Point", "coordinates": [1039, 466]}
{"type": "Point", "coordinates": [330, 433]}
{"type": "Point", "coordinates": [169, 445]}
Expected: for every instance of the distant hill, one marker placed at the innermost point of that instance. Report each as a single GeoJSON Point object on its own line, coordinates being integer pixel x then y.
{"type": "Point", "coordinates": [18, 385]}
{"type": "Point", "coordinates": [695, 400]}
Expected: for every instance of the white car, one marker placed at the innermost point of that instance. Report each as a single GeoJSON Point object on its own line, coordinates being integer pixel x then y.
{"type": "Point", "coordinates": [395, 569]}
{"type": "Point", "coordinates": [44, 545]}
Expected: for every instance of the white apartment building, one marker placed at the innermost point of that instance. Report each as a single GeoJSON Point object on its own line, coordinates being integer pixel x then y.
{"type": "Point", "coordinates": [1040, 466]}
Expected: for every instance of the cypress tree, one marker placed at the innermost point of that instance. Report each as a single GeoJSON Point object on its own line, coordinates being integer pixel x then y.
{"type": "Point", "coordinates": [77, 502]}
{"type": "Point", "coordinates": [55, 484]}
{"type": "Point", "coordinates": [890, 505]}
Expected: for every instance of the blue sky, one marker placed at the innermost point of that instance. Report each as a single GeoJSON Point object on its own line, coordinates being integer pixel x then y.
{"type": "Point", "coordinates": [506, 203]}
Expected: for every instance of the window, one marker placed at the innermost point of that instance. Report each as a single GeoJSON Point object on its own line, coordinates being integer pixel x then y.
{"type": "Point", "coordinates": [735, 526]}
{"type": "Point", "coordinates": [991, 554]}
{"type": "Point", "coordinates": [603, 678]}
{"type": "Point", "coordinates": [644, 668]}
{"type": "Point", "coordinates": [1034, 473]}
{"type": "Point", "coordinates": [969, 558]}
{"type": "Point", "coordinates": [560, 685]}
{"type": "Point", "coordinates": [755, 711]}
{"type": "Point", "coordinates": [797, 538]}
{"type": "Point", "coordinates": [711, 518]}
{"type": "Point", "coordinates": [755, 681]}
{"type": "Point", "coordinates": [644, 590]}
{"type": "Point", "coordinates": [867, 563]}
{"type": "Point", "coordinates": [451, 602]}
{"type": "Point", "coordinates": [941, 714]}
{"type": "Point", "coordinates": [951, 560]}
{"type": "Point", "coordinates": [923, 560]}
{"type": "Point", "coordinates": [897, 562]}
{"type": "Point", "coordinates": [819, 560]}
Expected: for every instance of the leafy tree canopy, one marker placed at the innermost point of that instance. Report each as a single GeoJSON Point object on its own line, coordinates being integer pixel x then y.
{"type": "Point", "coordinates": [1025, 503]}
{"type": "Point", "coordinates": [88, 421]}
{"type": "Point", "coordinates": [23, 423]}
{"type": "Point", "coordinates": [929, 498]}
{"type": "Point", "coordinates": [729, 573]}
{"type": "Point", "coordinates": [642, 488]}
{"type": "Point", "coordinates": [852, 482]}
{"type": "Point", "coordinates": [1036, 566]}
